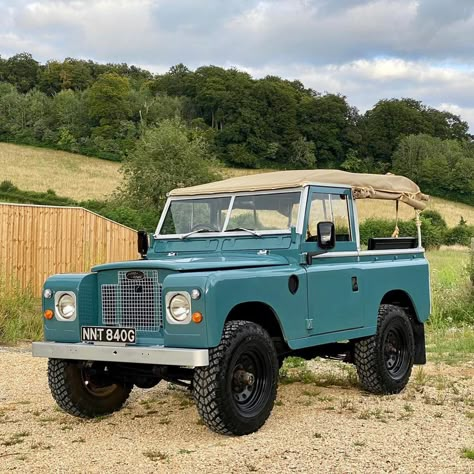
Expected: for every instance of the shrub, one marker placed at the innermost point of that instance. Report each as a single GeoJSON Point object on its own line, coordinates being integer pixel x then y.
{"type": "Point", "coordinates": [434, 217]}
{"type": "Point", "coordinates": [432, 235]}
{"type": "Point", "coordinates": [461, 234]}
{"type": "Point", "coordinates": [7, 186]}
{"type": "Point", "coordinates": [238, 155]}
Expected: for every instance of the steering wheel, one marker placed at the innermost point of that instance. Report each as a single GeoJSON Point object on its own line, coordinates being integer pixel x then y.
{"type": "Point", "coordinates": [204, 227]}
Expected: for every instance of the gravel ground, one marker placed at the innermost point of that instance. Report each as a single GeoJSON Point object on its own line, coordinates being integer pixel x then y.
{"type": "Point", "coordinates": [313, 428]}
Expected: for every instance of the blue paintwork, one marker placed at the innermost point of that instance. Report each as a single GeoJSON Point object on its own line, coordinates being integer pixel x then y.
{"type": "Point", "coordinates": [85, 286]}
{"type": "Point", "coordinates": [194, 263]}
{"type": "Point", "coordinates": [230, 271]}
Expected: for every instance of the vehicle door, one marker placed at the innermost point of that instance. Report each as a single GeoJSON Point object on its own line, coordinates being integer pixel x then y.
{"type": "Point", "coordinates": [334, 295]}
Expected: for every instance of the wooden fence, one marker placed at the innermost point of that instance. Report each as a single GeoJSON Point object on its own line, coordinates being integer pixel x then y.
{"type": "Point", "coordinates": [38, 241]}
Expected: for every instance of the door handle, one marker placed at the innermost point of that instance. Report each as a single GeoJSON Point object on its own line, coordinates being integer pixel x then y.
{"type": "Point", "coordinates": [355, 284]}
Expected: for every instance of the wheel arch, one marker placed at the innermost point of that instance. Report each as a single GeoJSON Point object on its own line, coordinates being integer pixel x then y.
{"type": "Point", "coordinates": [263, 314]}
{"type": "Point", "coordinates": [402, 299]}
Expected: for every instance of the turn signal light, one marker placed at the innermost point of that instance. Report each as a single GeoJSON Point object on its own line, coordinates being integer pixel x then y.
{"type": "Point", "coordinates": [197, 317]}
{"type": "Point", "coordinates": [48, 314]}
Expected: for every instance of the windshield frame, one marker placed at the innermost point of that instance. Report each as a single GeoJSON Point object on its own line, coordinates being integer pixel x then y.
{"type": "Point", "coordinates": [299, 220]}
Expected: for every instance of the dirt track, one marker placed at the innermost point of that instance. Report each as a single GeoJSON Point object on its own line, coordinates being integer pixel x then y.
{"type": "Point", "coordinates": [312, 428]}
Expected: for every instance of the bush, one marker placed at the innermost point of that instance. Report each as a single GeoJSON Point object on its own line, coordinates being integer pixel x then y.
{"type": "Point", "coordinates": [238, 155]}
{"type": "Point", "coordinates": [460, 235]}
{"type": "Point", "coordinates": [432, 236]}
{"type": "Point", "coordinates": [7, 186]}
{"type": "Point", "coordinates": [120, 212]}
{"type": "Point", "coordinates": [434, 217]}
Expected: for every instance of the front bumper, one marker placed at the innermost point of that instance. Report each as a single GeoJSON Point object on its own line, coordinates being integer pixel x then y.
{"type": "Point", "coordinates": [133, 354]}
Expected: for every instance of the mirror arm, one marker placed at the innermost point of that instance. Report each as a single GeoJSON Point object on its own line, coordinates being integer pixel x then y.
{"type": "Point", "coordinates": [143, 243]}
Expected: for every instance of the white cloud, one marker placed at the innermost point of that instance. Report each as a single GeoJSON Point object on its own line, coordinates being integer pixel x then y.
{"type": "Point", "coordinates": [467, 113]}
{"type": "Point", "coordinates": [365, 82]}
{"type": "Point", "coordinates": [364, 49]}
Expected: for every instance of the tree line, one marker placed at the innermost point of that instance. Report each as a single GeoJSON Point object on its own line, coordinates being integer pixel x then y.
{"type": "Point", "coordinates": [107, 110]}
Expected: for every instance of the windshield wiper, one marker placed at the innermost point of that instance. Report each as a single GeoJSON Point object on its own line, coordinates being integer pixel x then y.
{"type": "Point", "coordinates": [184, 236]}
{"type": "Point", "coordinates": [250, 231]}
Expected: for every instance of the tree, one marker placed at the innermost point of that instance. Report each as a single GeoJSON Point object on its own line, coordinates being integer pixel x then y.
{"type": "Point", "coordinates": [386, 124]}
{"type": "Point", "coordinates": [441, 167]}
{"type": "Point", "coordinates": [108, 99]}
{"type": "Point", "coordinates": [178, 81]}
{"type": "Point", "coordinates": [166, 157]}
{"type": "Point", "coordinates": [72, 74]}
{"type": "Point", "coordinates": [329, 122]}
{"type": "Point", "coordinates": [71, 113]}
{"type": "Point", "coordinates": [21, 70]}
{"type": "Point", "coordinates": [412, 154]}
{"type": "Point", "coordinates": [302, 154]}
{"type": "Point", "coordinates": [389, 121]}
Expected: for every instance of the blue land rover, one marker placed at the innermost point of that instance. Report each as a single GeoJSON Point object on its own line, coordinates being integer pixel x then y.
{"type": "Point", "coordinates": [240, 274]}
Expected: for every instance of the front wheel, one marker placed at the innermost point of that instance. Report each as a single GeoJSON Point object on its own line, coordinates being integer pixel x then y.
{"type": "Point", "coordinates": [235, 393]}
{"type": "Point", "coordinates": [384, 361]}
{"type": "Point", "coordinates": [83, 390]}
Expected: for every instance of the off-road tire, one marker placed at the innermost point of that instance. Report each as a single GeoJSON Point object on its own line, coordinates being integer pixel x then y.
{"type": "Point", "coordinates": [384, 361]}
{"type": "Point", "coordinates": [214, 386]}
{"type": "Point", "coordinates": [67, 386]}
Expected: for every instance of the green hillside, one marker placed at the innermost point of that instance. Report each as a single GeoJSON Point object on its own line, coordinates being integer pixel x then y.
{"type": "Point", "coordinates": [82, 178]}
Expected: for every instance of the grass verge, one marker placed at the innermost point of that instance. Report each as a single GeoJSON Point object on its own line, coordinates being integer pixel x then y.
{"type": "Point", "coordinates": [452, 290]}
{"type": "Point", "coordinates": [20, 314]}
{"type": "Point", "coordinates": [450, 345]}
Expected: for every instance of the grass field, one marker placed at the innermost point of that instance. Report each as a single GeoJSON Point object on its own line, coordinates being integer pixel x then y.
{"type": "Point", "coordinates": [81, 178]}
{"type": "Point", "coordinates": [69, 175]}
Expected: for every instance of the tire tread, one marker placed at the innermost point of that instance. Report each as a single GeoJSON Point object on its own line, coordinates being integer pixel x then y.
{"type": "Point", "coordinates": [211, 403]}
{"type": "Point", "coordinates": [366, 356]}
{"type": "Point", "coordinates": [63, 392]}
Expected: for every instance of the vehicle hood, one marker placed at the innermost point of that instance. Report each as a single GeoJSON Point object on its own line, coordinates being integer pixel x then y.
{"type": "Point", "coordinates": [197, 263]}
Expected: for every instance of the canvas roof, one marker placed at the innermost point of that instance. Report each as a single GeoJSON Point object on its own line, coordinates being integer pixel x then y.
{"type": "Point", "coordinates": [364, 185]}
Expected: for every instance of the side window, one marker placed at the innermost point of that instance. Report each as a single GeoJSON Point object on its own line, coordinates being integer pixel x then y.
{"type": "Point", "coordinates": [329, 207]}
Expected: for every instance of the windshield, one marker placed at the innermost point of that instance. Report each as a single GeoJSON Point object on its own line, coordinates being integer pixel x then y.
{"type": "Point", "coordinates": [257, 212]}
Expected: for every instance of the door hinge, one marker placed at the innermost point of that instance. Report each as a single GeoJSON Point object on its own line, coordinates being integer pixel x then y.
{"type": "Point", "coordinates": [309, 324]}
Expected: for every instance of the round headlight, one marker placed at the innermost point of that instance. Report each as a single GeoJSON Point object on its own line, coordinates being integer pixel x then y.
{"type": "Point", "coordinates": [179, 307]}
{"type": "Point", "coordinates": [67, 306]}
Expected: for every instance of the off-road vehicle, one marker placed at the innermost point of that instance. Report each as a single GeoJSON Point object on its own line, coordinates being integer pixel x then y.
{"type": "Point", "coordinates": [240, 274]}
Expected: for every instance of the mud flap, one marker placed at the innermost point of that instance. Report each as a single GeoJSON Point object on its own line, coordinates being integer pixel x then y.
{"type": "Point", "coordinates": [420, 346]}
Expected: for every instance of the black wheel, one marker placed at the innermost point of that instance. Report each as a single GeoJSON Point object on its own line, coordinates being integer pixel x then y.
{"type": "Point", "coordinates": [83, 390]}
{"type": "Point", "coordinates": [384, 361]}
{"type": "Point", "coordinates": [235, 393]}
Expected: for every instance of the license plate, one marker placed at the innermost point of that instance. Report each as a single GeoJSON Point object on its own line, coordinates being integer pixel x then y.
{"type": "Point", "coordinates": [107, 334]}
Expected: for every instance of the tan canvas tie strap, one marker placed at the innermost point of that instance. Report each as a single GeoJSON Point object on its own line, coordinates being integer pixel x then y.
{"type": "Point", "coordinates": [396, 231]}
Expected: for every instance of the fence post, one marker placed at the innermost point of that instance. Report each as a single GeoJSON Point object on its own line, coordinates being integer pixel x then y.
{"type": "Point", "coordinates": [471, 267]}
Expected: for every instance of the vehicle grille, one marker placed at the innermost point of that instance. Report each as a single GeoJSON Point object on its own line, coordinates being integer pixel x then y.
{"type": "Point", "coordinates": [133, 303]}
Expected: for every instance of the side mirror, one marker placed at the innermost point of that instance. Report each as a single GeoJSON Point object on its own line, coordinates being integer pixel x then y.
{"type": "Point", "coordinates": [142, 242]}
{"type": "Point", "coordinates": [326, 235]}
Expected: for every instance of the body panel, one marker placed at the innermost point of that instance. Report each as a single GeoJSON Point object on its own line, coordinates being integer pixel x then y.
{"type": "Point", "coordinates": [236, 268]}
{"type": "Point", "coordinates": [197, 263]}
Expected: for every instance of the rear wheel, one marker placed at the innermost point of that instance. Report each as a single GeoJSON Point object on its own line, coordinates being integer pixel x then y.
{"type": "Point", "coordinates": [235, 393]}
{"type": "Point", "coordinates": [83, 390]}
{"type": "Point", "coordinates": [384, 361]}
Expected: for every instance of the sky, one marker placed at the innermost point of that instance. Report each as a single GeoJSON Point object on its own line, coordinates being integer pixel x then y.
{"type": "Point", "coordinates": [365, 50]}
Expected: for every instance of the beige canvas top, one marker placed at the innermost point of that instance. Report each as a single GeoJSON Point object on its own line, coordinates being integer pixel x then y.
{"type": "Point", "coordinates": [372, 186]}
